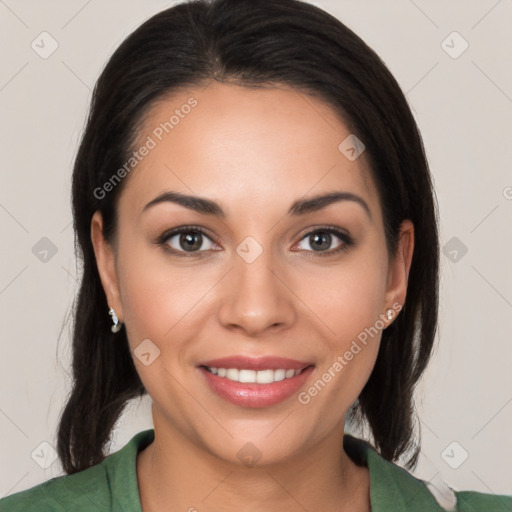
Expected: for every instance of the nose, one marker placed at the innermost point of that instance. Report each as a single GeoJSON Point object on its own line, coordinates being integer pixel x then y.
{"type": "Point", "coordinates": [255, 297]}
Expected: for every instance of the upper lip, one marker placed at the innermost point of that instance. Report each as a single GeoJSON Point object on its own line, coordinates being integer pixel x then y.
{"type": "Point", "coordinates": [256, 363]}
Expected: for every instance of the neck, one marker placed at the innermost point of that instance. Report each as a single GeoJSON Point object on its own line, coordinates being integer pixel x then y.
{"type": "Point", "coordinates": [174, 473]}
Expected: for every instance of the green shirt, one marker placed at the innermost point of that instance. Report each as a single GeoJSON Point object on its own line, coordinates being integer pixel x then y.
{"type": "Point", "coordinates": [112, 486]}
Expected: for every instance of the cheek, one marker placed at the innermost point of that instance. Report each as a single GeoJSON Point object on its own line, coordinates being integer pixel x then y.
{"type": "Point", "coordinates": [164, 301]}
{"type": "Point", "coordinates": [351, 304]}
{"type": "Point", "coordinates": [158, 304]}
{"type": "Point", "coordinates": [348, 297]}
{"type": "Point", "coordinates": [154, 294]}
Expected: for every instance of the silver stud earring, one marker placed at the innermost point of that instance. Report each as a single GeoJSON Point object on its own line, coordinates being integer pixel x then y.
{"type": "Point", "coordinates": [390, 314]}
{"type": "Point", "coordinates": [117, 326]}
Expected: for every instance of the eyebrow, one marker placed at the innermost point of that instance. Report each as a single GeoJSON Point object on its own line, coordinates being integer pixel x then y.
{"type": "Point", "coordinates": [299, 207]}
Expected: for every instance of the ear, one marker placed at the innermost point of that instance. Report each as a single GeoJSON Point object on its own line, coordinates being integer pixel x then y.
{"type": "Point", "coordinates": [105, 260]}
{"type": "Point", "coordinates": [398, 275]}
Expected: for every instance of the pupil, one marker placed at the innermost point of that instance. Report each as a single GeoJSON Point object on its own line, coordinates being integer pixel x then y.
{"type": "Point", "coordinates": [319, 237]}
{"type": "Point", "coordinates": [191, 241]}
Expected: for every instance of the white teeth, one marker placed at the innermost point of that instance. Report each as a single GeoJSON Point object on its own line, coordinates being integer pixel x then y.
{"type": "Point", "coordinates": [279, 374]}
{"type": "Point", "coordinates": [251, 376]}
{"type": "Point", "coordinates": [232, 374]}
{"type": "Point", "coordinates": [246, 376]}
{"type": "Point", "coordinates": [265, 376]}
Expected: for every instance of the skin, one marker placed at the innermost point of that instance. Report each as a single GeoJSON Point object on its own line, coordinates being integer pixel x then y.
{"type": "Point", "coordinates": [255, 151]}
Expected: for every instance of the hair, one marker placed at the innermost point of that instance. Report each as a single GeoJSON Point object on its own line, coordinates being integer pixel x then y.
{"type": "Point", "coordinates": [252, 43]}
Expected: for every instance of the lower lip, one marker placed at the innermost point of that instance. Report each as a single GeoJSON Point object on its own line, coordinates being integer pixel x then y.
{"type": "Point", "coordinates": [252, 394]}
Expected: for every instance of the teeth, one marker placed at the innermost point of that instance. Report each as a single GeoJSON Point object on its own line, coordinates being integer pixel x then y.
{"type": "Point", "coordinates": [253, 376]}
{"type": "Point", "coordinates": [279, 374]}
{"type": "Point", "coordinates": [265, 376]}
{"type": "Point", "coordinates": [232, 374]}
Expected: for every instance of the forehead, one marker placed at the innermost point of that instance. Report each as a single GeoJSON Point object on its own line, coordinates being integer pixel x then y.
{"type": "Point", "coordinates": [246, 148]}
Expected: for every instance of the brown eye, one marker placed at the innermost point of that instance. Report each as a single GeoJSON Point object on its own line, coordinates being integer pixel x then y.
{"type": "Point", "coordinates": [186, 240]}
{"type": "Point", "coordinates": [320, 241]}
{"type": "Point", "coordinates": [190, 241]}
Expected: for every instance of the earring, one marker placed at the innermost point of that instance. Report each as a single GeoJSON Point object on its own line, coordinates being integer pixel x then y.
{"type": "Point", "coordinates": [117, 326]}
{"type": "Point", "coordinates": [390, 314]}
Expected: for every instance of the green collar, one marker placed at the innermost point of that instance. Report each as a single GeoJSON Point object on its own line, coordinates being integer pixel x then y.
{"type": "Point", "coordinates": [391, 487]}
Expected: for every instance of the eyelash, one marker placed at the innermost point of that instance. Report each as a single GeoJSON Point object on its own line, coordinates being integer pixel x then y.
{"type": "Point", "coordinates": [342, 235]}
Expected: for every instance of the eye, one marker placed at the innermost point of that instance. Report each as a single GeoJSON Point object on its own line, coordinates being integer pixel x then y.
{"type": "Point", "coordinates": [190, 241]}
{"type": "Point", "coordinates": [320, 241]}
{"type": "Point", "coordinates": [186, 239]}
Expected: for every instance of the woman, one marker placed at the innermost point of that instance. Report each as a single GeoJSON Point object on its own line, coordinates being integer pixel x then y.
{"type": "Point", "coordinates": [258, 231]}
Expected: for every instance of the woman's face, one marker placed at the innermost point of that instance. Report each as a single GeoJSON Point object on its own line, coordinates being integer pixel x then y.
{"type": "Point", "coordinates": [264, 280]}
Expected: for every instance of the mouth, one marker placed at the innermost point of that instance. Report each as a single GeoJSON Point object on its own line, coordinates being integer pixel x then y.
{"type": "Point", "coordinates": [255, 382]}
{"type": "Point", "coordinates": [252, 376]}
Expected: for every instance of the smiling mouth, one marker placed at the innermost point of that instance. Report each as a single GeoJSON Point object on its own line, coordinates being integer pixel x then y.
{"type": "Point", "coordinates": [266, 376]}
{"type": "Point", "coordinates": [255, 382]}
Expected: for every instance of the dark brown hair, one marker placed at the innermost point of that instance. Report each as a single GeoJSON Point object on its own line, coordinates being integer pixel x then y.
{"type": "Point", "coordinates": [254, 43]}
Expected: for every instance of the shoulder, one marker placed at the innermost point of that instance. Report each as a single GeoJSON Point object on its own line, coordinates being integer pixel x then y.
{"type": "Point", "coordinates": [468, 501]}
{"type": "Point", "coordinates": [80, 491]}
{"type": "Point", "coordinates": [394, 488]}
{"type": "Point", "coordinates": [108, 486]}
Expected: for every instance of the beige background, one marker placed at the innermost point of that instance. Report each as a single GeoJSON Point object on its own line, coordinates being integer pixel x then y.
{"type": "Point", "coordinates": [463, 106]}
